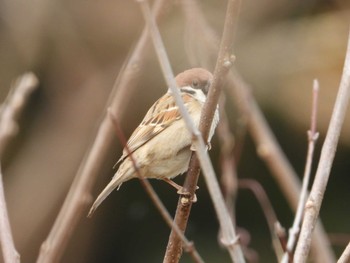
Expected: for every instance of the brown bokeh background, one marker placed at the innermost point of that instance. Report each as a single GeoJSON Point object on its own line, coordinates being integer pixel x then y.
{"type": "Point", "coordinates": [77, 48]}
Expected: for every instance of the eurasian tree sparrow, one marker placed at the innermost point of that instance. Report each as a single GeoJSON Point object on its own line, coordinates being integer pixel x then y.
{"type": "Point", "coordinates": [161, 144]}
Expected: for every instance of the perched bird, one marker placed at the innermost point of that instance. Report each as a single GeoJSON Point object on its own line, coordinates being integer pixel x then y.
{"type": "Point", "coordinates": [161, 144]}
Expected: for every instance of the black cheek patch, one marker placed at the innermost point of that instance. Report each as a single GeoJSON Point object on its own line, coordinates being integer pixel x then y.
{"type": "Point", "coordinates": [189, 91]}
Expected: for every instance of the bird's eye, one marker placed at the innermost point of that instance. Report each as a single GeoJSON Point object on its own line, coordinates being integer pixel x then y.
{"type": "Point", "coordinates": [195, 83]}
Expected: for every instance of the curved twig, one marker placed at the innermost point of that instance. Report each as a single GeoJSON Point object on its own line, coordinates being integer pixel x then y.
{"type": "Point", "coordinates": [267, 208]}
{"type": "Point", "coordinates": [188, 245]}
{"type": "Point", "coordinates": [79, 194]}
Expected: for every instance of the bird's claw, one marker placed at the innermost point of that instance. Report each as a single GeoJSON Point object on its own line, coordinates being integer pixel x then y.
{"type": "Point", "coordinates": [207, 147]}
{"type": "Point", "coordinates": [186, 196]}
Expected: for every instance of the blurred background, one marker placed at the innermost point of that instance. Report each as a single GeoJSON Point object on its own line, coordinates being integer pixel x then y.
{"type": "Point", "coordinates": [77, 49]}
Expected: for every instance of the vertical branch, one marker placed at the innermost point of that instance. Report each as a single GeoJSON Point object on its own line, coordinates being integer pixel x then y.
{"type": "Point", "coordinates": [9, 251]}
{"type": "Point", "coordinates": [223, 65]}
{"type": "Point", "coordinates": [10, 110]}
{"type": "Point", "coordinates": [189, 246]}
{"type": "Point", "coordinates": [314, 202]}
{"type": "Point", "coordinates": [267, 145]}
{"type": "Point", "coordinates": [174, 247]}
{"type": "Point", "coordinates": [312, 137]}
{"type": "Point", "coordinates": [275, 159]}
{"type": "Point", "coordinates": [228, 165]}
{"type": "Point", "coordinates": [79, 194]}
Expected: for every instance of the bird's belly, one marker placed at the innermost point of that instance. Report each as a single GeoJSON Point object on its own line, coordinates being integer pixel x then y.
{"type": "Point", "coordinates": [167, 154]}
{"type": "Point", "coordinates": [169, 168]}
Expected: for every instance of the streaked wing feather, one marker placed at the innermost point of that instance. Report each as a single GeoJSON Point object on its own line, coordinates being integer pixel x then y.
{"type": "Point", "coordinates": [160, 116]}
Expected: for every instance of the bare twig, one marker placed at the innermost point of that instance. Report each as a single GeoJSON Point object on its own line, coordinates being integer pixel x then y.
{"type": "Point", "coordinates": [9, 251]}
{"type": "Point", "coordinates": [275, 159]}
{"type": "Point", "coordinates": [13, 106]}
{"type": "Point", "coordinates": [166, 67]}
{"type": "Point", "coordinates": [312, 138]}
{"type": "Point", "coordinates": [269, 149]}
{"type": "Point", "coordinates": [189, 246]}
{"type": "Point", "coordinates": [267, 209]}
{"type": "Point", "coordinates": [79, 194]}
{"type": "Point", "coordinates": [10, 110]}
{"type": "Point", "coordinates": [314, 202]}
{"type": "Point", "coordinates": [228, 166]}
{"type": "Point", "coordinates": [345, 257]}
{"type": "Point", "coordinates": [223, 64]}
{"type": "Point", "coordinates": [174, 247]}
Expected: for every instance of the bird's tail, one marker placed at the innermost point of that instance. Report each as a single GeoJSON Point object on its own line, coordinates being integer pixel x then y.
{"type": "Point", "coordinates": [116, 181]}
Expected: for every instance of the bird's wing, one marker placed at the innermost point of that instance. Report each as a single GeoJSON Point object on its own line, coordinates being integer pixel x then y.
{"type": "Point", "coordinates": [160, 116]}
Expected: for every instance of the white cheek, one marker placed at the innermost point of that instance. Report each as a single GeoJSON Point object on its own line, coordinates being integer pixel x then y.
{"type": "Point", "coordinates": [200, 95]}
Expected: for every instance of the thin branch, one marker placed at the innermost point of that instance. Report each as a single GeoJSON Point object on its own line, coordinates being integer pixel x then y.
{"type": "Point", "coordinates": [13, 106]}
{"type": "Point", "coordinates": [269, 149]}
{"type": "Point", "coordinates": [174, 248]}
{"type": "Point", "coordinates": [10, 110]}
{"type": "Point", "coordinates": [79, 196]}
{"type": "Point", "coordinates": [275, 159]}
{"type": "Point", "coordinates": [228, 178]}
{"type": "Point", "coordinates": [223, 65]}
{"type": "Point", "coordinates": [166, 67]}
{"type": "Point", "coordinates": [312, 138]}
{"type": "Point", "coordinates": [9, 251]}
{"type": "Point", "coordinates": [188, 246]}
{"type": "Point", "coordinates": [267, 209]}
{"type": "Point", "coordinates": [345, 257]}
{"type": "Point", "coordinates": [314, 202]}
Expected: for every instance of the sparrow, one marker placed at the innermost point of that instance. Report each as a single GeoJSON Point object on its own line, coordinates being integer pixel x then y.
{"type": "Point", "coordinates": [161, 145]}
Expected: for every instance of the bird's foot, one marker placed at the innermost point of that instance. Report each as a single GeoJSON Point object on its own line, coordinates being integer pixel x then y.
{"type": "Point", "coordinates": [186, 195]}
{"type": "Point", "coordinates": [180, 190]}
{"type": "Point", "coordinates": [207, 147]}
